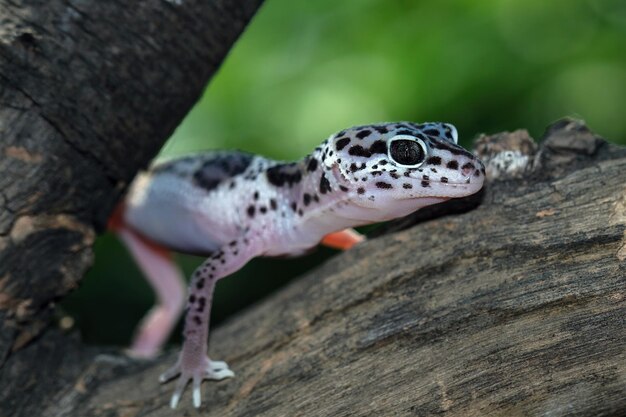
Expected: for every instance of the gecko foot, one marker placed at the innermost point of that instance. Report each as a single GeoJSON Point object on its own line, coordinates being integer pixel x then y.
{"type": "Point", "coordinates": [208, 369]}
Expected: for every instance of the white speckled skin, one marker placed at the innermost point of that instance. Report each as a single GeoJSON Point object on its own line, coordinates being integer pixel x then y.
{"type": "Point", "coordinates": [235, 206]}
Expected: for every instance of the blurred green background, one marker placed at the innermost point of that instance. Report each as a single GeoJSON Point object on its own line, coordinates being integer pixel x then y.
{"type": "Point", "coordinates": [305, 69]}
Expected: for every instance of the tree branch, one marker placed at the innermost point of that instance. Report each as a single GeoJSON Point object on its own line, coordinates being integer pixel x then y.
{"type": "Point", "coordinates": [89, 91]}
{"type": "Point", "coordinates": [513, 308]}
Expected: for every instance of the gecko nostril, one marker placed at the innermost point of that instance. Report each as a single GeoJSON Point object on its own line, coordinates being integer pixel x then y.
{"type": "Point", "coordinates": [467, 169]}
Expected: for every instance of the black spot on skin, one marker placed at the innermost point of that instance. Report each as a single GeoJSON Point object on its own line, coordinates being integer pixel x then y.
{"type": "Point", "coordinates": [232, 185]}
{"type": "Point", "coordinates": [433, 170]}
{"type": "Point", "coordinates": [251, 211]}
{"type": "Point", "coordinates": [425, 177]}
{"type": "Point", "coordinates": [263, 209]}
{"type": "Point", "coordinates": [294, 206]}
{"type": "Point", "coordinates": [342, 143]}
{"type": "Point", "coordinates": [477, 173]}
{"type": "Point", "coordinates": [434, 160]}
{"type": "Point", "coordinates": [192, 298]}
{"type": "Point", "coordinates": [384, 185]}
{"type": "Point", "coordinates": [375, 173]}
{"type": "Point", "coordinates": [345, 189]}
{"type": "Point", "coordinates": [324, 185]}
{"type": "Point", "coordinates": [354, 167]}
{"type": "Point", "coordinates": [407, 186]}
{"type": "Point", "coordinates": [363, 134]}
{"type": "Point", "coordinates": [285, 174]}
{"type": "Point", "coordinates": [452, 148]}
{"type": "Point", "coordinates": [453, 164]}
{"type": "Point", "coordinates": [256, 195]}
{"type": "Point", "coordinates": [381, 129]}
{"type": "Point", "coordinates": [444, 179]}
{"type": "Point", "coordinates": [273, 204]}
{"type": "Point", "coordinates": [425, 184]}
{"type": "Point", "coordinates": [380, 146]}
{"type": "Point", "coordinates": [343, 132]}
{"type": "Point", "coordinates": [358, 150]}
{"type": "Point", "coordinates": [197, 320]}
{"type": "Point", "coordinates": [215, 167]}
{"type": "Point", "coordinates": [300, 212]}
{"type": "Point", "coordinates": [316, 198]}
{"type": "Point", "coordinates": [375, 166]}
{"type": "Point", "coordinates": [405, 132]}
{"type": "Point", "coordinates": [467, 166]}
{"type": "Point", "coordinates": [360, 190]}
{"type": "Point", "coordinates": [394, 175]}
{"type": "Point", "coordinates": [306, 198]}
{"type": "Point", "coordinates": [431, 132]}
{"type": "Point", "coordinates": [383, 162]}
{"type": "Point", "coordinates": [232, 243]}
{"type": "Point", "coordinates": [200, 284]}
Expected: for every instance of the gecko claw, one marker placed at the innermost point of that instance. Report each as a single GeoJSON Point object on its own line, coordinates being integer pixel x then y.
{"type": "Point", "coordinates": [174, 401]}
{"type": "Point", "coordinates": [215, 370]}
{"type": "Point", "coordinates": [197, 395]}
{"type": "Point", "coordinates": [218, 370]}
{"type": "Point", "coordinates": [170, 373]}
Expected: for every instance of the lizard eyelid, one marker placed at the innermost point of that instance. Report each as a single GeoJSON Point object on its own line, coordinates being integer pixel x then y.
{"type": "Point", "coordinates": [407, 151]}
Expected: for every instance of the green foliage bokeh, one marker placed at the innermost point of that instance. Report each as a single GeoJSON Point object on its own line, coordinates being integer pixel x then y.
{"type": "Point", "coordinates": [305, 69]}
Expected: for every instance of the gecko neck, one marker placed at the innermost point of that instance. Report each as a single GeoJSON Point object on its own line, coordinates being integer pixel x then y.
{"type": "Point", "coordinates": [324, 198]}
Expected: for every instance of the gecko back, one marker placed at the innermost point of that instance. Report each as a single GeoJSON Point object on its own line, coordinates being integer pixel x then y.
{"type": "Point", "coordinates": [180, 203]}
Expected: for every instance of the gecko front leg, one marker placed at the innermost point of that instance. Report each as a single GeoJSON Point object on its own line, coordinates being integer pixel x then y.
{"type": "Point", "coordinates": [193, 363]}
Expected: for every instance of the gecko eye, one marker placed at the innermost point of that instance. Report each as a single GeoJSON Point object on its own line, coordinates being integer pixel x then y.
{"type": "Point", "coordinates": [407, 150]}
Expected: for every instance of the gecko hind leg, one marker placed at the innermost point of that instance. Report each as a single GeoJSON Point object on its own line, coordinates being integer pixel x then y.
{"type": "Point", "coordinates": [167, 281]}
{"type": "Point", "coordinates": [343, 240]}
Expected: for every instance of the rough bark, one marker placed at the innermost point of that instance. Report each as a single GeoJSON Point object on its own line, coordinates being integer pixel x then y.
{"type": "Point", "coordinates": [514, 305]}
{"type": "Point", "coordinates": [89, 91]}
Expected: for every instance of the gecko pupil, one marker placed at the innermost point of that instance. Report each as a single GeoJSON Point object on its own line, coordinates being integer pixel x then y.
{"type": "Point", "coordinates": [407, 152]}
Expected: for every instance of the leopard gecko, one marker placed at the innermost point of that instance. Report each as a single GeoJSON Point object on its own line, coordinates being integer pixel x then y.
{"type": "Point", "coordinates": [234, 206]}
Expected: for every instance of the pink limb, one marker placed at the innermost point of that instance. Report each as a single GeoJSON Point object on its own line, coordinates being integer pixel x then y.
{"type": "Point", "coordinates": [167, 281]}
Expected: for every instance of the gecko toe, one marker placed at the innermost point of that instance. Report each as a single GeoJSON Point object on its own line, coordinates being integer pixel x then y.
{"type": "Point", "coordinates": [170, 373]}
{"type": "Point", "coordinates": [178, 392]}
{"type": "Point", "coordinates": [217, 365]}
{"type": "Point", "coordinates": [217, 370]}
{"type": "Point", "coordinates": [197, 394]}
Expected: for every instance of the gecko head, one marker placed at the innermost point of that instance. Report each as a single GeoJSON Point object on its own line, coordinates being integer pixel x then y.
{"type": "Point", "coordinates": [404, 164]}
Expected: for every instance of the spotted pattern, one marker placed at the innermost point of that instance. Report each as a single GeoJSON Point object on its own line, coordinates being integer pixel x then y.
{"type": "Point", "coordinates": [352, 164]}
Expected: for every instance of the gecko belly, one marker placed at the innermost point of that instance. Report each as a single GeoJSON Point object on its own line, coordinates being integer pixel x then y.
{"type": "Point", "coordinates": [170, 212]}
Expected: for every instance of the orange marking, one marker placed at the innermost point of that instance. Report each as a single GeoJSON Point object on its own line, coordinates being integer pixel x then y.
{"type": "Point", "coordinates": [343, 240]}
{"type": "Point", "coordinates": [116, 221]}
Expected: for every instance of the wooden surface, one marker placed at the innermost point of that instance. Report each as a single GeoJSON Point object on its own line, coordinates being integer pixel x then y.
{"type": "Point", "coordinates": [516, 307]}
{"type": "Point", "coordinates": [89, 92]}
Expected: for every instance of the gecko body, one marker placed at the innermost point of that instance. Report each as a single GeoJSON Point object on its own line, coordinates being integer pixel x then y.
{"type": "Point", "coordinates": [234, 206]}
